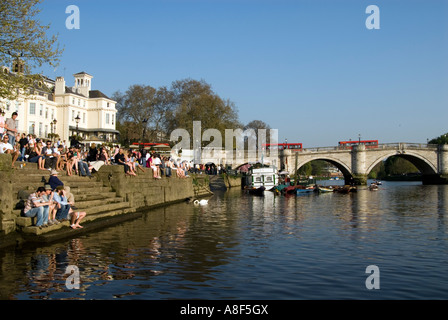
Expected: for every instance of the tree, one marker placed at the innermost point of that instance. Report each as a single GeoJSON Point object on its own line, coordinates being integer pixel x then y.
{"type": "Point", "coordinates": [146, 109]}
{"type": "Point", "coordinates": [195, 101]}
{"type": "Point", "coordinates": [157, 112]}
{"type": "Point", "coordinates": [443, 139]}
{"type": "Point", "coordinates": [305, 170]}
{"type": "Point", "coordinates": [23, 39]}
{"type": "Point", "coordinates": [257, 124]}
{"type": "Point", "coordinates": [398, 166]}
{"type": "Point", "coordinates": [378, 172]}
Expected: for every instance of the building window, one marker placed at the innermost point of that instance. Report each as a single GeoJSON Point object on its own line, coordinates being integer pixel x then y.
{"type": "Point", "coordinates": [46, 113]}
{"type": "Point", "coordinates": [31, 128]}
{"type": "Point", "coordinates": [73, 101]}
{"type": "Point", "coordinates": [40, 129]}
{"type": "Point", "coordinates": [41, 110]}
{"type": "Point", "coordinates": [46, 130]}
{"type": "Point", "coordinates": [32, 108]}
{"type": "Point", "coordinates": [107, 118]}
{"type": "Point", "coordinates": [84, 117]}
{"type": "Point", "coordinates": [113, 119]}
{"type": "Point", "coordinates": [73, 115]}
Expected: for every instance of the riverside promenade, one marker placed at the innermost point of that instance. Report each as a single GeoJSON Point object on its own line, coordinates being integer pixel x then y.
{"type": "Point", "coordinates": [109, 197]}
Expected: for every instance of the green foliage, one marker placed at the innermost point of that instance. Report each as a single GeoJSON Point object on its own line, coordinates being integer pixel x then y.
{"type": "Point", "coordinates": [392, 166]}
{"type": "Point", "coordinates": [378, 172]}
{"type": "Point", "coordinates": [313, 168]}
{"type": "Point", "coordinates": [306, 169]}
{"type": "Point", "coordinates": [24, 39]}
{"type": "Point", "coordinates": [398, 166]}
{"type": "Point", "coordinates": [196, 101]}
{"type": "Point", "coordinates": [443, 139]}
{"type": "Point", "coordinates": [150, 114]}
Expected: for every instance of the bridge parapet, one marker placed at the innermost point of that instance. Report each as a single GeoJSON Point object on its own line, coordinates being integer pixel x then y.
{"type": "Point", "coordinates": [382, 146]}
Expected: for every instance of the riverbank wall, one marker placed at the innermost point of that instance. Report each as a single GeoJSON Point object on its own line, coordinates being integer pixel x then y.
{"type": "Point", "coordinates": [109, 197]}
{"type": "Point", "coordinates": [233, 181]}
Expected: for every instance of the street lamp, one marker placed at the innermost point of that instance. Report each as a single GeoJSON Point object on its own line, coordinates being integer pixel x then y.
{"type": "Point", "coordinates": [77, 119]}
{"type": "Point", "coordinates": [144, 121]}
{"type": "Point", "coordinates": [53, 128]}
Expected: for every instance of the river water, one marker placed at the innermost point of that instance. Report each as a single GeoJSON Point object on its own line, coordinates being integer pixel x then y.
{"type": "Point", "coordinates": [240, 246]}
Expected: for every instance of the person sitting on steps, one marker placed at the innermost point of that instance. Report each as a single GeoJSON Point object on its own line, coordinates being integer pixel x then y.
{"type": "Point", "coordinates": [51, 157]}
{"type": "Point", "coordinates": [37, 206]}
{"type": "Point", "coordinates": [7, 148]}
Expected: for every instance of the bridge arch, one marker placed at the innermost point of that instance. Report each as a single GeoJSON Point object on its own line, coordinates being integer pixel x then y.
{"type": "Point", "coordinates": [341, 165]}
{"type": "Point", "coordinates": [424, 165]}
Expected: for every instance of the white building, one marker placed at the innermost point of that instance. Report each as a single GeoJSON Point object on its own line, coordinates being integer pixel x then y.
{"type": "Point", "coordinates": [65, 110]}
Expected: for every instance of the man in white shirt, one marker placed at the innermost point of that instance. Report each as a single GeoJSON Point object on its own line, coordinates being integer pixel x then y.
{"type": "Point", "coordinates": [50, 156]}
{"type": "Point", "coordinates": [11, 128]}
{"type": "Point", "coordinates": [7, 148]}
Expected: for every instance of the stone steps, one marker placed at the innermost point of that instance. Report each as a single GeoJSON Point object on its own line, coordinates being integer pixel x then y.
{"type": "Point", "coordinates": [217, 183]}
{"type": "Point", "coordinates": [98, 212]}
{"type": "Point", "coordinates": [91, 196]}
{"type": "Point", "coordinates": [32, 229]}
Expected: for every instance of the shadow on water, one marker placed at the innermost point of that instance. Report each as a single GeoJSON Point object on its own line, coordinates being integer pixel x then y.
{"type": "Point", "coordinates": [240, 246]}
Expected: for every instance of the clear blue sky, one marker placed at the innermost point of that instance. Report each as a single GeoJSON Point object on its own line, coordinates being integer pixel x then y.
{"type": "Point", "coordinates": [309, 68]}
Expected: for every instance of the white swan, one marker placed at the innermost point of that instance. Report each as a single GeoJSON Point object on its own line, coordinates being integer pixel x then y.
{"type": "Point", "coordinates": [202, 202]}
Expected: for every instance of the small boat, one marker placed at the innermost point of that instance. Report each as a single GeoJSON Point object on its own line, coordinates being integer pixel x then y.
{"type": "Point", "coordinates": [321, 189]}
{"type": "Point", "coordinates": [345, 189]}
{"type": "Point", "coordinates": [373, 187]}
{"type": "Point", "coordinates": [255, 191]}
{"type": "Point", "coordinates": [304, 190]}
{"type": "Point", "coordinates": [292, 189]}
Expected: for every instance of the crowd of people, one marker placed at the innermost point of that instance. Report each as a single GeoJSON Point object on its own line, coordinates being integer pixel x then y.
{"type": "Point", "coordinates": [51, 203]}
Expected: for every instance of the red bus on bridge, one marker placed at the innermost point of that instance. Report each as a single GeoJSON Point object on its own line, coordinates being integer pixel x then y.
{"type": "Point", "coordinates": [370, 144]}
{"type": "Point", "coordinates": [283, 146]}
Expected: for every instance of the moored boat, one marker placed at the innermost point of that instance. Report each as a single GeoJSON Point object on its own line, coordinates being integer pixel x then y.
{"type": "Point", "coordinates": [255, 191]}
{"type": "Point", "coordinates": [345, 189]}
{"type": "Point", "coordinates": [321, 189]}
{"type": "Point", "coordinates": [266, 177]}
{"type": "Point", "coordinates": [305, 190]}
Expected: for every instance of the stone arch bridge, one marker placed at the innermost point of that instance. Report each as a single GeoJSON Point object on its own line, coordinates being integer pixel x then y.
{"type": "Point", "coordinates": [357, 162]}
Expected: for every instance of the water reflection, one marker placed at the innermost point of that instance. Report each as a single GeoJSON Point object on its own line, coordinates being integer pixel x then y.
{"type": "Point", "coordinates": [249, 247]}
